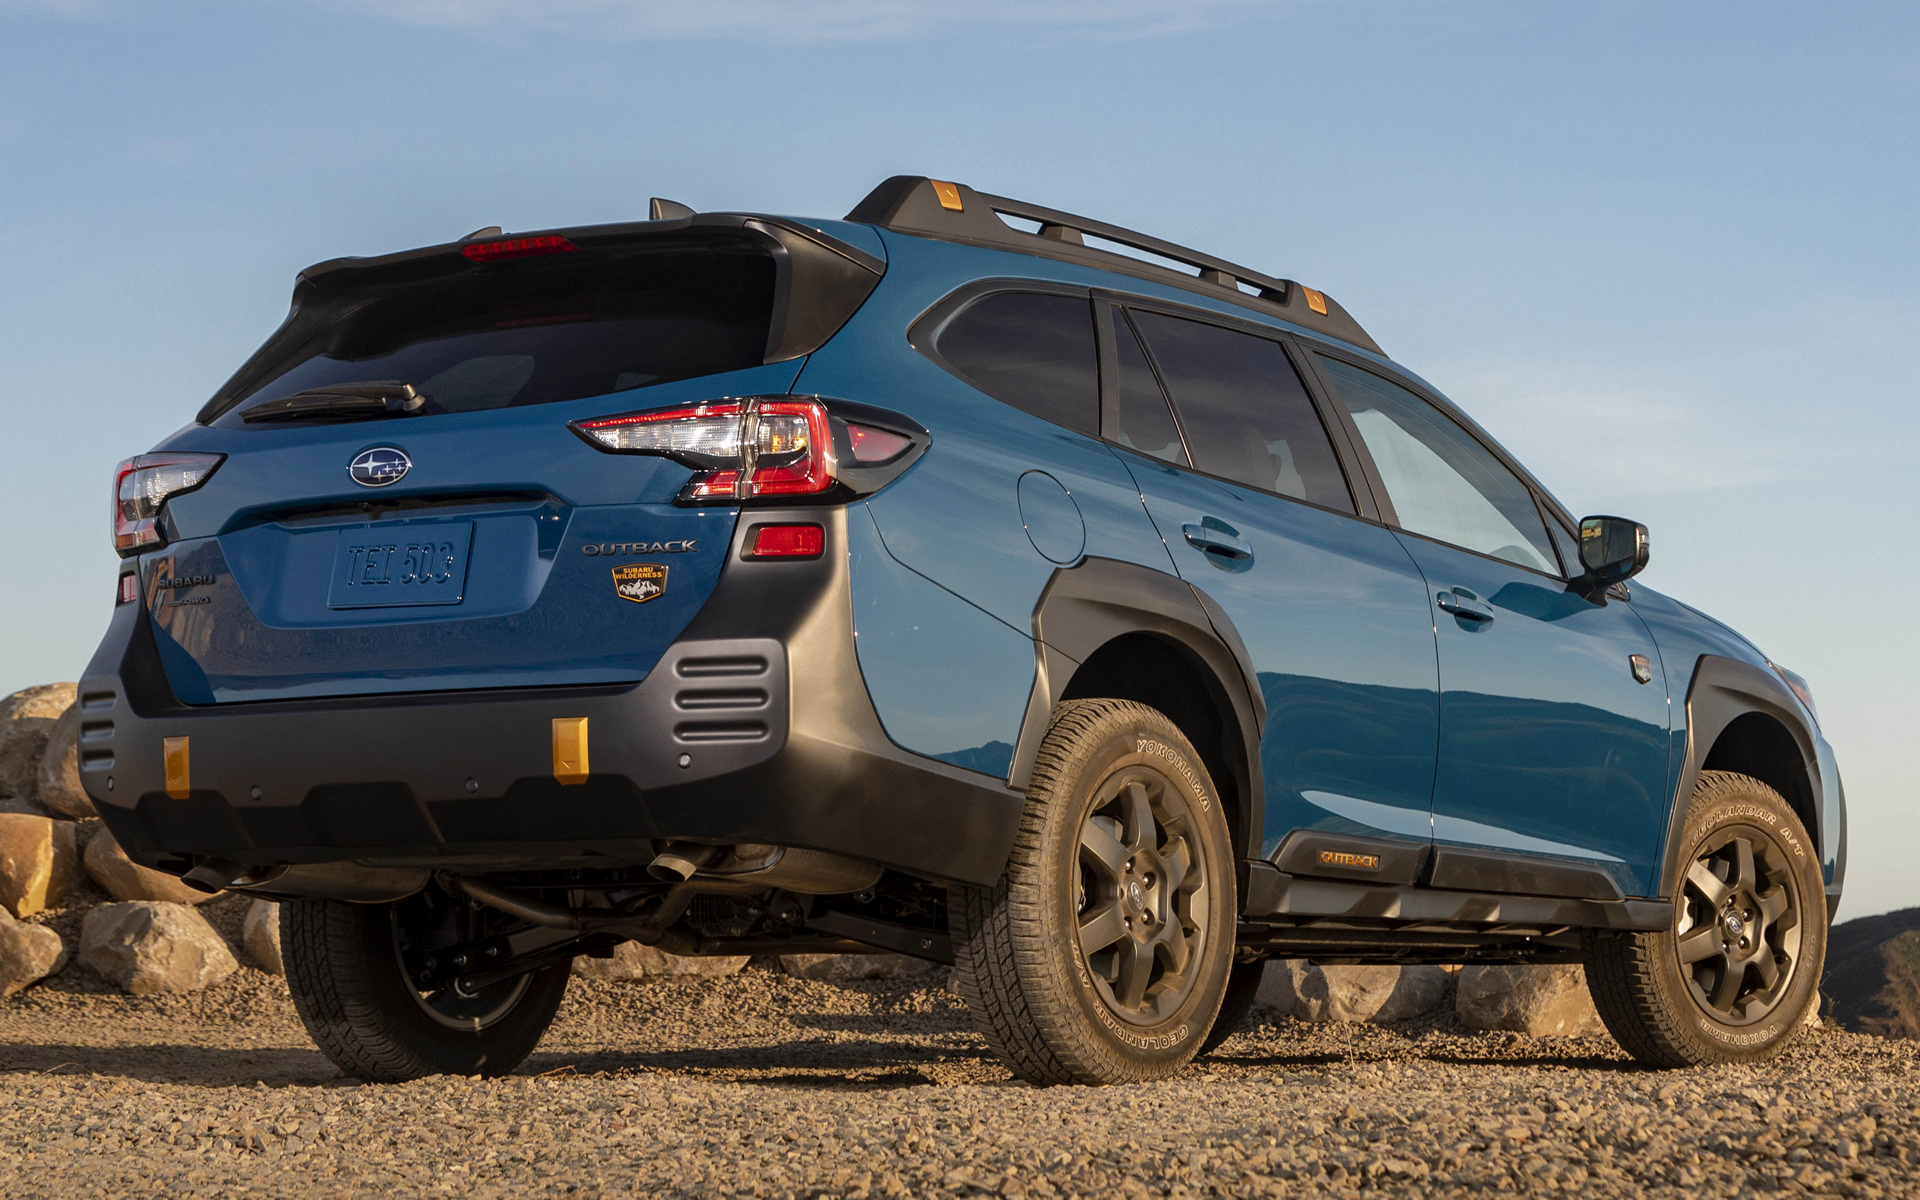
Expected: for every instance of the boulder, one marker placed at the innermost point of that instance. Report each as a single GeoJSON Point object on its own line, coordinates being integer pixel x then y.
{"type": "Point", "coordinates": [124, 879]}
{"type": "Point", "coordinates": [37, 862]}
{"type": "Point", "coordinates": [26, 718]}
{"type": "Point", "coordinates": [58, 787]}
{"type": "Point", "coordinates": [1310, 992]}
{"type": "Point", "coordinates": [149, 947]}
{"type": "Point", "coordinates": [848, 968]}
{"type": "Point", "coordinates": [1538, 999]}
{"type": "Point", "coordinates": [631, 960]}
{"type": "Point", "coordinates": [28, 954]}
{"type": "Point", "coordinates": [260, 934]}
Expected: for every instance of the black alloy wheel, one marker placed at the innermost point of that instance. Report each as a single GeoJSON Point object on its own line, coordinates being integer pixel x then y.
{"type": "Point", "coordinates": [1143, 896]}
{"type": "Point", "coordinates": [1739, 926]}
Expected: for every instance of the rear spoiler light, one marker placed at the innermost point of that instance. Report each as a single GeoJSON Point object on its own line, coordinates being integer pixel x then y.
{"type": "Point", "coordinates": [768, 448]}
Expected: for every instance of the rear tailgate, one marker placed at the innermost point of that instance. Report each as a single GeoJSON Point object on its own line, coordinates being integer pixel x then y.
{"type": "Point", "coordinates": [509, 552]}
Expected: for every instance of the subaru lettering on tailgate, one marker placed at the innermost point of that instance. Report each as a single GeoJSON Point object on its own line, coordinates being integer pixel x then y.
{"type": "Point", "coordinates": [376, 567]}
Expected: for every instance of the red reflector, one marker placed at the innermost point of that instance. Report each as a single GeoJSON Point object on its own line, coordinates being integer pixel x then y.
{"type": "Point", "coordinates": [788, 541]}
{"type": "Point", "coordinates": [872, 445]}
{"type": "Point", "coordinates": [129, 588]}
{"type": "Point", "coordinates": [500, 248]}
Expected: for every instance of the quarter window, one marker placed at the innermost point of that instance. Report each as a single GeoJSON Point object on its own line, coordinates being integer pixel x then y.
{"type": "Point", "coordinates": [1145, 423]}
{"type": "Point", "coordinates": [1443, 483]}
{"type": "Point", "coordinates": [1033, 351]}
{"type": "Point", "coordinates": [1246, 414]}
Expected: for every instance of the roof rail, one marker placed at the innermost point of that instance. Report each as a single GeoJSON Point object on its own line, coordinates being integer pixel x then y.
{"type": "Point", "coordinates": [954, 212]}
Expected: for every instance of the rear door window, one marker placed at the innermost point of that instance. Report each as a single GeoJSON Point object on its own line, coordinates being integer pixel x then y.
{"type": "Point", "coordinates": [1246, 414]}
{"type": "Point", "coordinates": [1443, 483]}
{"type": "Point", "coordinates": [1032, 350]}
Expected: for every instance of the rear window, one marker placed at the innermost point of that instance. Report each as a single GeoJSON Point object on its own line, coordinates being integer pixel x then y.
{"type": "Point", "coordinates": [1033, 351]}
{"type": "Point", "coordinates": [535, 331]}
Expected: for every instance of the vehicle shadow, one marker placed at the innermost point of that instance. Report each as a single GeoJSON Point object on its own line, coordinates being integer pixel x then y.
{"type": "Point", "coordinates": [208, 1066]}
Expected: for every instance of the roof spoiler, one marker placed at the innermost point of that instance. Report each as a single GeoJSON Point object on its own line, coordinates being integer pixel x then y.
{"type": "Point", "coordinates": [820, 280]}
{"type": "Point", "coordinates": [954, 212]}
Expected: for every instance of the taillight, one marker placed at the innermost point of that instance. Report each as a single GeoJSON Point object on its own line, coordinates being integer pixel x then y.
{"type": "Point", "coordinates": [142, 486]}
{"type": "Point", "coordinates": [746, 449]}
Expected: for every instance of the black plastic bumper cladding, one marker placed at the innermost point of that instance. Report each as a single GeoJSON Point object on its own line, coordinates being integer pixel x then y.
{"type": "Point", "coordinates": [761, 700]}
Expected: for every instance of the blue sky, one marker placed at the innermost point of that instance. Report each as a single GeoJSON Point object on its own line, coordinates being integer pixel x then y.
{"type": "Point", "coordinates": [1666, 253]}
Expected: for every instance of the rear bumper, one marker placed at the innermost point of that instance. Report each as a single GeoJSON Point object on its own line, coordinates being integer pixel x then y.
{"type": "Point", "coordinates": [755, 726]}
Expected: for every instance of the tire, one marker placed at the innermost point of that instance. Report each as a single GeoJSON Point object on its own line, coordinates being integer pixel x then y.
{"type": "Point", "coordinates": [1123, 836]}
{"type": "Point", "coordinates": [1732, 979]}
{"type": "Point", "coordinates": [353, 995]}
{"type": "Point", "coordinates": [1243, 988]}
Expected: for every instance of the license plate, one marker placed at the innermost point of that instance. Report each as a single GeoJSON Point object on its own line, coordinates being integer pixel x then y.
{"type": "Point", "coordinates": [400, 565]}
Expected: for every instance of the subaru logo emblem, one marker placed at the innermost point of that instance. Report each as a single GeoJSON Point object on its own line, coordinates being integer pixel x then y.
{"type": "Point", "coordinates": [379, 466]}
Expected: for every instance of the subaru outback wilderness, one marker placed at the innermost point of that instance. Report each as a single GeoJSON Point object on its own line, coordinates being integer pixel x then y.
{"type": "Point", "coordinates": [964, 579]}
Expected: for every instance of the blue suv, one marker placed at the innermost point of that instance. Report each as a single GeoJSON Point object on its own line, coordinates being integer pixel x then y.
{"type": "Point", "coordinates": [963, 578]}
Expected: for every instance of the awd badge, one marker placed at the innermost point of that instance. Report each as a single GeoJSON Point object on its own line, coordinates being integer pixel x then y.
{"type": "Point", "coordinates": [639, 582]}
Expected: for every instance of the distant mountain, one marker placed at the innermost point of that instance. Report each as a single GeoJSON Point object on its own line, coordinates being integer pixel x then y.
{"type": "Point", "coordinates": [1873, 974]}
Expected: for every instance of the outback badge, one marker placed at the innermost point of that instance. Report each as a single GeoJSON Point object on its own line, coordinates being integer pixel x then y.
{"type": "Point", "coordinates": [639, 582]}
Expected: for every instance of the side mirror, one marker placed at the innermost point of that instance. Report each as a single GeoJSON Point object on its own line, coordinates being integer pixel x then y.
{"type": "Point", "coordinates": [1612, 550]}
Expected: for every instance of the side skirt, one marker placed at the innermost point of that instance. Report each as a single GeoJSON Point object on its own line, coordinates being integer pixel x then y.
{"type": "Point", "coordinates": [1339, 921]}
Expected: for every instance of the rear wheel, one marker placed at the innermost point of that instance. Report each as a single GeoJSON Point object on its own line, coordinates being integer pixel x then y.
{"type": "Point", "coordinates": [1732, 979]}
{"type": "Point", "coordinates": [352, 971]}
{"type": "Point", "coordinates": [1102, 954]}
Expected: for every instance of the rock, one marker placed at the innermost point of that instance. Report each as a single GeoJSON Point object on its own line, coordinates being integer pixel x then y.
{"type": "Point", "coordinates": [58, 787]}
{"type": "Point", "coordinates": [847, 968]}
{"type": "Point", "coordinates": [37, 862]}
{"type": "Point", "coordinates": [124, 879]}
{"type": "Point", "coordinates": [1309, 992]}
{"type": "Point", "coordinates": [149, 947]}
{"type": "Point", "coordinates": [26, 718]}
{"type": "Point", "coordinates": [1873, 974]}
{"type": "Point", "coordinates": [631, 960]}
{"type": "Point", "coordinates": [1540, 1000]}
{"type": "Point", "coordinates": [28, 954]}
{"type": "Point", "coordinates": [260, 934]}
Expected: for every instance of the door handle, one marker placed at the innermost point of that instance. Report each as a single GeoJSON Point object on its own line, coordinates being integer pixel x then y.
{"type": "Point", "coordinates": [1218, 539]}
{"type": "Point", "coordinates": [1463, 608]}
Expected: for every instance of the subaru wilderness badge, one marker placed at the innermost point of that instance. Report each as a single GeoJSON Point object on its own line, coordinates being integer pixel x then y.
{"type": "Point", "coordinates": [379, 466]}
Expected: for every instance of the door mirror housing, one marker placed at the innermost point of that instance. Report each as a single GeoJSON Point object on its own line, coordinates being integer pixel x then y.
{"type": "Point", "coordinates": [1612, 550]}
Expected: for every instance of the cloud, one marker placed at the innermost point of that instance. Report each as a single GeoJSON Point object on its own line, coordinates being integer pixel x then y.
{"type": "Point", "coordinates": [817, 20]}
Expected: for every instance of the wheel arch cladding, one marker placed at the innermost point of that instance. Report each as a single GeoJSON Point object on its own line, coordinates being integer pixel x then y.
{"type": "Point", "coordinates": [1108, 629]}
{"type": "Point", "coordinates": [1741, 718]}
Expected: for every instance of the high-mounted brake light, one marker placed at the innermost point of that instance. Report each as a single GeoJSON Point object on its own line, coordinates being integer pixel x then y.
{"type": "Point", "coordinates": [141, 487]}
{"type": "Point", "coordinates": [746, 449]}
{"type": "Point", "coordinates": [500, 248]}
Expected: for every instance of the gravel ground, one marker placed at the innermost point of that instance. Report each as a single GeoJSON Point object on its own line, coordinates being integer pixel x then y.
{"type": "Point", "coordinates": [762, 1085]}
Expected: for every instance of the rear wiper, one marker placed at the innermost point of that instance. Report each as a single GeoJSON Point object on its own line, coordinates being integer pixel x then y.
{"type": "Point", "coordinates": [340, 402]}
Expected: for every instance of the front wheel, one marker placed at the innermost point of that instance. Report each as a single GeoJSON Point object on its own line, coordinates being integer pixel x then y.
{"type": "Point", "coordinates": [347, 968]}
{"type": "Point", "coordinates": [1731, 979]}
{"type": "Point", "coordinates": [1101, 955]}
